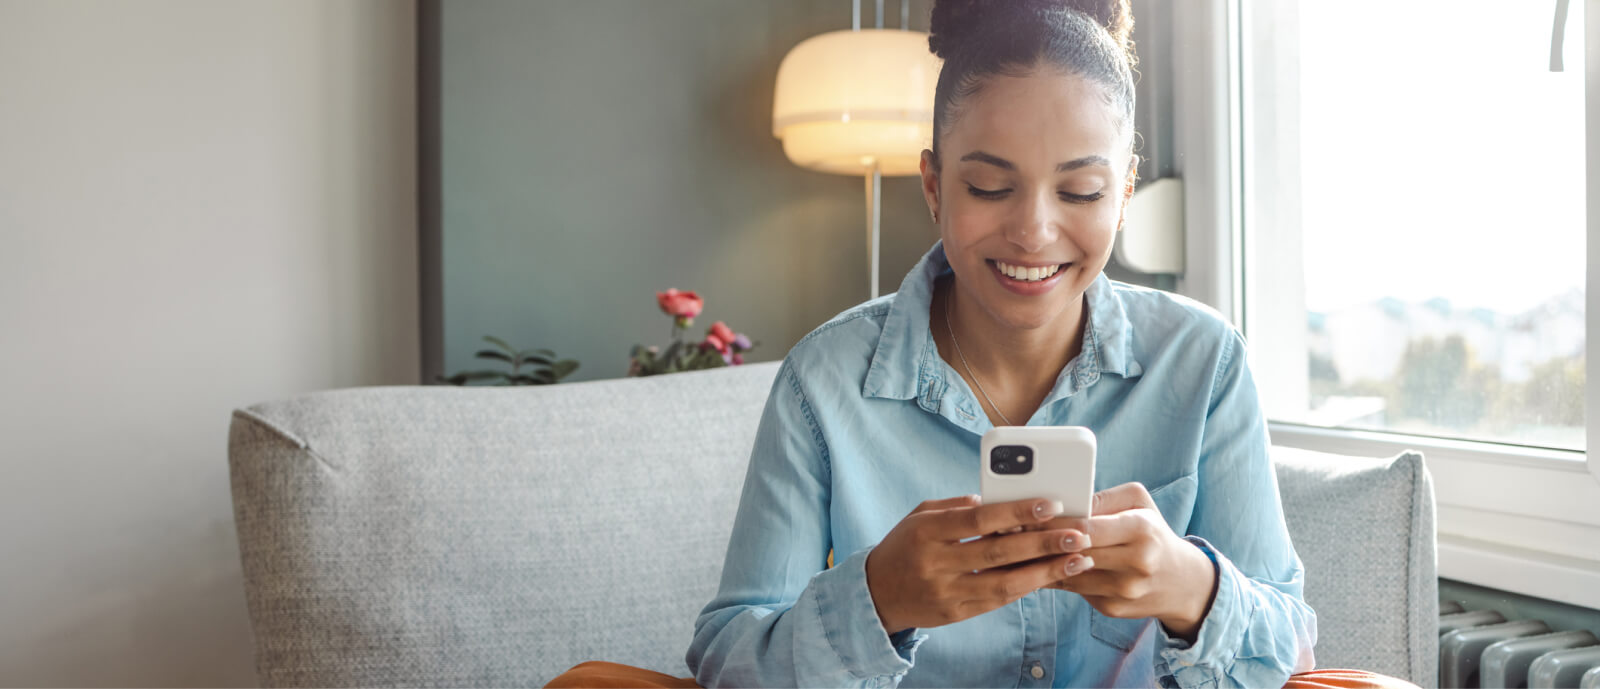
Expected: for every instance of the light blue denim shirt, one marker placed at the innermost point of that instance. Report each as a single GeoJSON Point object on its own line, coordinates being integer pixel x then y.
{"type": "Point", "coordinates": [865, 421]}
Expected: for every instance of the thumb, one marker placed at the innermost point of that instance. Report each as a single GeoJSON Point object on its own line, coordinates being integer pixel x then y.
{"type": "Point", "coordinates": [948, 503]}
{"type": "Point", "coordinates": [1128, 496]}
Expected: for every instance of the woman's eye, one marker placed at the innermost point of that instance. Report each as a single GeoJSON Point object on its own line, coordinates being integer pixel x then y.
{"type": "Point", "coordinates": [1069, 198]}
{"type": "Point", "coordinates": [986, 193]}
{"type": "Point", "coordinates": [1082, 198]}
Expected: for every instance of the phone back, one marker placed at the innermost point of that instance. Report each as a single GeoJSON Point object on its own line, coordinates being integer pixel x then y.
{"type": "Point", "coordinates": [1031, 462]}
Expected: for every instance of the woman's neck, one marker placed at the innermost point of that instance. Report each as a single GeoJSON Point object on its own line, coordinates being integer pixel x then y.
{"type": "Point", "coordinates": [1021, 364]}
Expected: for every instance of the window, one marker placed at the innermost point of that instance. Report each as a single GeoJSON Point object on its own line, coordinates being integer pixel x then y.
{"type": "Point", "coordinates": [1392, 206]}
{"type": "Point", "coordinates": [1430, 166]}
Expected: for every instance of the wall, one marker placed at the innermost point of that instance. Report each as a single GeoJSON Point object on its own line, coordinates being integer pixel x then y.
{"type": "Point", "coordinates": [203, 204]}
{"type": "Point", "coordinates": [595, 152]}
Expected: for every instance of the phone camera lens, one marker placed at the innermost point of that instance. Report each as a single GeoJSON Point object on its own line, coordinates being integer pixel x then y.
{"type": "Point", "coordinates": [1009, 459]}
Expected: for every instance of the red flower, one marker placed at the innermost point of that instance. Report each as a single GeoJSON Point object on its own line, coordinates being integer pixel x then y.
{"type": "Point", "coordinates": [723, 333]}
{"type": "Point", "coordinates": [714, 342]}
{"type": "Point", "coordinates": [680, 304]}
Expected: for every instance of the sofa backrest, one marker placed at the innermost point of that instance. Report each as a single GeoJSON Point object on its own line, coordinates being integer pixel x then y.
{"type": "Point", "coordinates": [422, 536]}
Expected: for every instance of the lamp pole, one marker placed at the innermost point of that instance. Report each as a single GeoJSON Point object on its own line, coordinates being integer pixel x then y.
{"type": "Point", "coordinates": [874, 178]}
{"type": "Point", "coordinates": [874, 181]}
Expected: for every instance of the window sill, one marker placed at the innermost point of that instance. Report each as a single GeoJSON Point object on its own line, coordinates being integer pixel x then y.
{"type": "Point", "coordinates": [1518, 570]}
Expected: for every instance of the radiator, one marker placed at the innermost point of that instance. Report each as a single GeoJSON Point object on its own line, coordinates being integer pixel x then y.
{"type": "Point", "coordinates": [1480, 648]}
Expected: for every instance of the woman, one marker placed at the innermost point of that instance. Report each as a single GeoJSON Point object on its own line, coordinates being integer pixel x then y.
{"type": "Point", "coordinates": [868, 446]}
{"type": "Point", "coordinates": [1009, 320]}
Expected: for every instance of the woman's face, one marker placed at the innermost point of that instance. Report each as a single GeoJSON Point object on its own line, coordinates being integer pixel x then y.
{"type": "Point", "coordinates": [1030, 195]}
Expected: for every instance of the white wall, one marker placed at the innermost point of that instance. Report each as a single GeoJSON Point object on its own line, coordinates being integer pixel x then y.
{"type": "Point", "coordinates": [203, 204]}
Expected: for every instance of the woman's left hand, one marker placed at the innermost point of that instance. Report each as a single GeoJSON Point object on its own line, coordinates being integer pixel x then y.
{"type": "Point", "coordinates": [1140, 568]}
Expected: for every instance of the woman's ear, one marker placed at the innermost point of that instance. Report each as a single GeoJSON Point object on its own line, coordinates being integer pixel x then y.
{"type": "Point", "coordinates": [930, 183]}
{"type": "Point", "coordinates": [1127, 190]}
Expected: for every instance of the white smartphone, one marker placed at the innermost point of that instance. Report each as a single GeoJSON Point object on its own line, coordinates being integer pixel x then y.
{"type": "Point", "coordinates": [1032, 462]}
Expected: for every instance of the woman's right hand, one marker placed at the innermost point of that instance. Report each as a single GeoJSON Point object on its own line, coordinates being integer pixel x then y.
{"type": "Point", "coordinates": [923, 575]}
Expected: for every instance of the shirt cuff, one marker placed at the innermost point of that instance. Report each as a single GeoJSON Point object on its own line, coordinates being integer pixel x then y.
{"type": "Point", "coordinates": [1221, 630]}
{"type": "Point", "coordinates": [850, 621]}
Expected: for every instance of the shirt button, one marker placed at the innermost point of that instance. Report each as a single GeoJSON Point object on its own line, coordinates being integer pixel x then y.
{"type": "Point", "coordinates": [1037, 671]}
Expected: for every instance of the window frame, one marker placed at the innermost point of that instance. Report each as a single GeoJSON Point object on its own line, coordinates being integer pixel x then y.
{"type": "Point", "coordinates": [1540, 536]}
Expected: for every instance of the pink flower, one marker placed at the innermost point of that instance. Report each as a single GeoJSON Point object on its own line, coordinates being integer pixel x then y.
{"type": "Point", "coordinates": [738, 359]}
{"type": "Point", "coordinates": [723, 334]}
{"type": "Point", "coordinates": [714, 342]}
{"type": "Point", "coordinates": [682, 305]}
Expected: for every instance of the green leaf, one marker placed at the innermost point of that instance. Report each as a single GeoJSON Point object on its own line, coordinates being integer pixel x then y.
{"type": "Point", "coordinates": [536, 360]}
{"type": "Point", "coordinates": [544, 377]}
{"type": "Point", "coordinates": [491, 354]}
{"type": "Point", "coordinates": [564, 368]}
{"type": "Point", "coordinates": [544, 352]}
{"type": "Point", "coordinates": [465, 377]}
{"type": "Point", "coordinates": [501, 343]}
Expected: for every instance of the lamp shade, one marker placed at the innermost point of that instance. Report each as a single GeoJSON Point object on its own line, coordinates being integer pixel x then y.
{"type": "Point", "coordinates": [847, 99]}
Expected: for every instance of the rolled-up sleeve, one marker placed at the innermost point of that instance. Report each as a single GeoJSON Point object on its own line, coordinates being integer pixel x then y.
{"type": "Point", "coordinates": [1258, 630]}
{"type": "Point", "coordinates": [779, 617]}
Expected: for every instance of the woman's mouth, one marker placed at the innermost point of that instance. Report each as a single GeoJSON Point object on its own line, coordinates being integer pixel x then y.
{"type": "Point", "coordinates": [1027, 280]}
{"type": "Point", "coordinates": [1027, 274]}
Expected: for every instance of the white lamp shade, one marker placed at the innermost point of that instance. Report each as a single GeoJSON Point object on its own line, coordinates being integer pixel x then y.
{"type": "Point", "coordinates": [847, 99]}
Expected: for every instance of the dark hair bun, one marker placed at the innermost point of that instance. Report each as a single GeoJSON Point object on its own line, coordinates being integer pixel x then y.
{"type": "Point", "coordinates": [954, 22]}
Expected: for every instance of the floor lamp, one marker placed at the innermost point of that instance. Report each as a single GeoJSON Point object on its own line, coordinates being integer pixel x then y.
{"type": "Point", "coordinates": [858, 102]}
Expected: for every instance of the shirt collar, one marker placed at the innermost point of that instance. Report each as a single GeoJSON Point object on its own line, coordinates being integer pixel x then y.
{"type": "Point", "coordinates": [906, 362]}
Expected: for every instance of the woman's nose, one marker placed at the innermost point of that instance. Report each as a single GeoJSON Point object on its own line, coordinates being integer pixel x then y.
{"type": "Point", "coordinates": [1036, 225]}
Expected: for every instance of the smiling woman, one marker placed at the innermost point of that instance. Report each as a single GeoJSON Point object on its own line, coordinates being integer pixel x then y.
{"type": "Point", "coordinates": [1184, 576]}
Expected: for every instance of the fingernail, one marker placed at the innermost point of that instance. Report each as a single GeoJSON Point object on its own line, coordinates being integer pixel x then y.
{"type": "Point", "coordinates": [1075, 565]}
{"type": "Point", "coordinates": [1067, 542]}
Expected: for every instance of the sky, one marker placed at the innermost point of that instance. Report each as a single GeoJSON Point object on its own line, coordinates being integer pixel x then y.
{"type": "Point", "coordinates": [1440, 156]}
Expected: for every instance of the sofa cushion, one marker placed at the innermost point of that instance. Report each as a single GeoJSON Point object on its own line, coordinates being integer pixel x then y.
{"type": "Point", "coordinates": [433, 536]}
{"type": "Point", "coordinates": [1364, 530]}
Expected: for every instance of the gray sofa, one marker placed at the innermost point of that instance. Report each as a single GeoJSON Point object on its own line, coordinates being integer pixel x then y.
{"type": "Point", "coordinates": [495, 536]}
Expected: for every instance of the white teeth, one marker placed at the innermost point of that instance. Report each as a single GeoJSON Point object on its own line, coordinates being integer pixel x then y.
{"type": "Point", "coordinates": [1026, 274]}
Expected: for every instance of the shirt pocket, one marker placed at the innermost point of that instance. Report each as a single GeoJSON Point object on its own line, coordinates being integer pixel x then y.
{"type": "Point", "coordinates": [1175, 500]}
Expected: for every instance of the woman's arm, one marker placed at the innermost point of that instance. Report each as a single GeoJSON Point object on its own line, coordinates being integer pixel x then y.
{"type": "Point", "coordinates": [779, 618]}
{"type": "Point", "coordinates": [1259, 629]}
{"type": "Point", "coordinates": [777, 621]}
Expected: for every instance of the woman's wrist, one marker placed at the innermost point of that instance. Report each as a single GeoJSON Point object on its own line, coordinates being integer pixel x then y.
{"type": "Point", "coordinates": [875, 593]}
{"type": "Point", "coordinates": [1185, 622]}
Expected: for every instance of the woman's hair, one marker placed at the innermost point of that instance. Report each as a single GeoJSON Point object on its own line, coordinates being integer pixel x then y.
{"type": "Point", "coordinates": [982, 38]}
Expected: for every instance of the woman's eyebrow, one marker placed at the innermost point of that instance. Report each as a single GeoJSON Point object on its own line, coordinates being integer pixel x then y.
{"type": "Point", "coordinates": [1004, 164]}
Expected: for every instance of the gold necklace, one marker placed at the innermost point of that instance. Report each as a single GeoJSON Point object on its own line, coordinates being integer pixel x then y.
{"type": "Point", "coordinates": [964, 364]}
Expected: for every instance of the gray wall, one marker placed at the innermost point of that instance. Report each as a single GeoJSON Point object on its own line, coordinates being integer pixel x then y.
{"type": "Point", "coordinates": [597, 151]}
{"type": "Point", "coordinates": [593, 152]}
{"type": "Point", "coordinates": [203, 204]}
